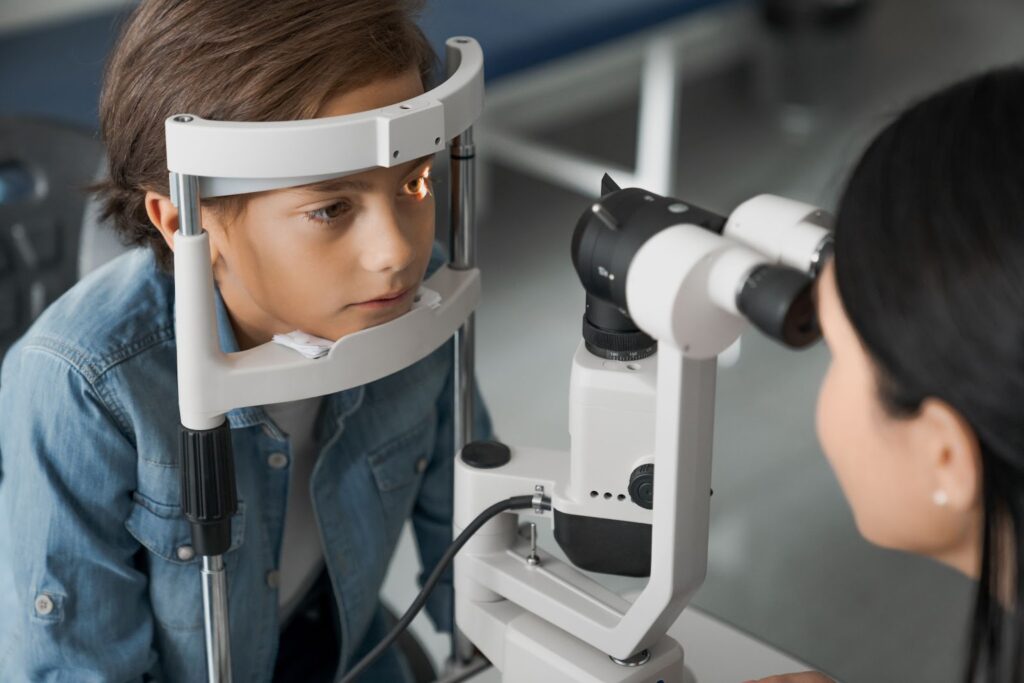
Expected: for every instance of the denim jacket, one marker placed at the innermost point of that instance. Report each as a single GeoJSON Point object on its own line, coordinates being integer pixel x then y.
{"type": "Point", "coordinates": [97, 578]}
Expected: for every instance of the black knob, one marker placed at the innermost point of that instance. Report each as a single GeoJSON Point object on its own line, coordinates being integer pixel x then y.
{"type": "Point", "coordinates": [486, 454]}
{"type": "Point", "coordinates": [209, 497]}
{"type": "Point", "coordinates": [624, 342]}
{"type": "Point", "coordinates": [641, 486]}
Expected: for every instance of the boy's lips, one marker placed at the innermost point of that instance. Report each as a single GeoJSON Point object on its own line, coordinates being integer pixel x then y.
{"type": "Point", "coordinates": [389, 299]}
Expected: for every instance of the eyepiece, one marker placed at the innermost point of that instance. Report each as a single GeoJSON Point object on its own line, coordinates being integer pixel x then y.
{"type": "Point", "coordinates": [777, 300]}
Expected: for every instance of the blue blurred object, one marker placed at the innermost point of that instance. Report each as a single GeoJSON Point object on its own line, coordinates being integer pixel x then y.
{"type": "Point", "coordinates": [16, 183]}
{"type": "Point", "coordinates": [525, 33]}
{"type": "Point", "coordinates": [55, 71]}
{"type": "Point", "coordinates": [44, 170]}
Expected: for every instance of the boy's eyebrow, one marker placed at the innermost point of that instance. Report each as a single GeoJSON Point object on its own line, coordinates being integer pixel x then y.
{"type": "Point", "coordinates": [336, 185]}
{"type": "Point", "coordinates": [345, 183]}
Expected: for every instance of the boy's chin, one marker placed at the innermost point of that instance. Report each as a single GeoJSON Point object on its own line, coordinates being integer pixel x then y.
{"type": "Point", "coordinates": [364, 320]}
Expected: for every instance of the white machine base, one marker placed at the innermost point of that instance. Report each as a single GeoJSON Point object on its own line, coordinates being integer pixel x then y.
{"type": "Point", "coordinates": [533, 650]}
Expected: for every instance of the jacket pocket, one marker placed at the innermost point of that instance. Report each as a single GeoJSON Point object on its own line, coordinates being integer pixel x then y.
{"type": "Point", "coordinates": [398, 467]}
{"type": "Point", "coordinates": [403, 460]}
{"type": "Point", "coordinates": [175, 590]}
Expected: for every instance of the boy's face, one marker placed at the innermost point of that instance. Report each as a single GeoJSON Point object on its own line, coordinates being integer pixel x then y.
{"type": "Point", "coordinates": [331, 258]}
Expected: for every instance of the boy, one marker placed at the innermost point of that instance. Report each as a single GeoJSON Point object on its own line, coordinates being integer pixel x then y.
{"type": "Point", "coordinates": [98, 580]}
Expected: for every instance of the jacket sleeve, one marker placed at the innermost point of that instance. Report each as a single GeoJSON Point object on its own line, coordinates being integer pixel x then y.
{"type": "Point", "coordinates": [82, 612]}
{"type": "Point", "coordinates": [432, 514]}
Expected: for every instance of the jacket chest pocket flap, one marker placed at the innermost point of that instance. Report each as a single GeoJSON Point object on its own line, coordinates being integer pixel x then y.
{"type": "Point", "coordinates": [403, 460]}
{"type": "Point", "coordinates": [175, 591]}
{"type": "Point", "coordinates": [165, 532]}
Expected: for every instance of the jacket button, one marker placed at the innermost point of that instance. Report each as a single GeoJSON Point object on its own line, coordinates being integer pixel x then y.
{"type": "Point", "coordinates": [421, 465]}
{"type": "Point", "coordinates": [273, 578]}
{"type": "Point", "coordinates": [278, 460]}
{"type": "Point", "coordinates": [44, 605]}
{"type": "Point", "coordinates": [185, 552]}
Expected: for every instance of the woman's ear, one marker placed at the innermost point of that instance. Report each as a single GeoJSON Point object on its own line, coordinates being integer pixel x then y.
{"type": "Point", "coordinates": [954, 455]}
{"type": "Point", "coordinates": [949, 489]}
{"type": "Point", "coordinates": [164, 216]}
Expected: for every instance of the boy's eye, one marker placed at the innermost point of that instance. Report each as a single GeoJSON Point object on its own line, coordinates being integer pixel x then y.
{"type": "Point", "coordinates": [418, 187]}
{"type": "Point", "coordinates": [328, 214]}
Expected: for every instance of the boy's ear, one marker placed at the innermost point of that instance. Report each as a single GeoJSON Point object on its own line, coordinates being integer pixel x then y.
{"type": "Point", "coordinates": [163, 214]}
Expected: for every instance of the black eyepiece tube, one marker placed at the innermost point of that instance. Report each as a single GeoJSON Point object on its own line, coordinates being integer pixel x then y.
{"type": "Point", "coordinates": [777, 300]}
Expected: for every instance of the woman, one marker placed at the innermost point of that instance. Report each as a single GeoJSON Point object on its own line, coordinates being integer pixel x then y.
{"type": "Point", "coordinates": [921, 413]}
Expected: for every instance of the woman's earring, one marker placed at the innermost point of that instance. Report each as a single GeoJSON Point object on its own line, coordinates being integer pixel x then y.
{"type": "Point", "coordinates": [940, 498]}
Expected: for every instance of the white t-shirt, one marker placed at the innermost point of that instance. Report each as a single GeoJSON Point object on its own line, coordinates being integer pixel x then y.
{"type": "Point", "coordinates": [302, 556]}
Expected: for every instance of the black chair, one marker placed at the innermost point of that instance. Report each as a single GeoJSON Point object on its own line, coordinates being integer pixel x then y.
{"type": "Point", "coordinates": [44, 170]}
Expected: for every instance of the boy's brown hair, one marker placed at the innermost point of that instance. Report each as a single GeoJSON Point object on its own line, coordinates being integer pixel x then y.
{"type": "Point", "coordinates": [235, 60]}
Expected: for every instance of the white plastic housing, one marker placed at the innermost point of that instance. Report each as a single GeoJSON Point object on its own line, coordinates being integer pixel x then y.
{"type": "Point", "coordinates": [611, 425]}
{"type": "Point", "coordinates": [491, 568]}
{"type": "Point", "coordinates": [681, 289]}
{"type": "Point", "coordinates": [667, 289]}
{"type": "Point", "coordinates": [527, 649]}
{"type": "Point", "coordinates": [784, 230]}
{"type": "Point", "coordinates": [231, 157]}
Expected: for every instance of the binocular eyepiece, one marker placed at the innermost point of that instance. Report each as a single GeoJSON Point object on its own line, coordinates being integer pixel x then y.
{"type": "Point", "coordinates": [775, 297]}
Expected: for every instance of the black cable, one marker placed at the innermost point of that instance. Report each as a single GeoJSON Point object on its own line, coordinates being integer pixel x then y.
{"type": "Point", "coordinates": [513, 503]}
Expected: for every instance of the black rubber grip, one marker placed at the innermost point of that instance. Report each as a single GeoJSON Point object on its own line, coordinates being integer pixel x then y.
{"type": "Point", "coordinates": [209, 496]}
{"type": "Point", "coordinates": [778, 301]}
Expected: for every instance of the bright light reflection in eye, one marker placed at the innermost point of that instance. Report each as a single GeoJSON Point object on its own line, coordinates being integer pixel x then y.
{"type": "Point", "coordinates": [424, 187]}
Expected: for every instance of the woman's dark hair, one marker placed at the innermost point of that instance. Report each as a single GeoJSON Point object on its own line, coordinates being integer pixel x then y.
{"type": "Point", "coordinates": [929, 263]}
{"type": "Point", "coordinates": [235, 60]}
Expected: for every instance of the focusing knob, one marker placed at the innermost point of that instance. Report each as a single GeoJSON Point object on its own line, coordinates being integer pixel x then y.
{"type": "Point", "coordinates": [641, 486]}
{"type": "Point", "coordinates": [620, 346]}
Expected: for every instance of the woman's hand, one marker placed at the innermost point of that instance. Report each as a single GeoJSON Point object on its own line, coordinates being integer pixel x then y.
{"type": "Point", "coordinates": [805, 677]}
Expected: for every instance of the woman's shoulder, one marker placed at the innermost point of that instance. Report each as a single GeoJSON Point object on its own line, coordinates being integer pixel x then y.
{"type": "Point", "coordinates": [120, 310]}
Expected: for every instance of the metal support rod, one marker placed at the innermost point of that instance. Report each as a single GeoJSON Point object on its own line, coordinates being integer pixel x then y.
{"type": "Point", "coordinates": [463, 257]}
{"type": "Point", "coordinates": [462, 245]}
{"type": "Point", "coordinates": [465, 368]}
{"type": "Point", "coordinates": [187, 192]}
{"type": "Point", "coordinates": [213, 576]}
{"type": "Point", "coordinates": [215, 617]}
{"type": "Point", "coordinates": [463, 201]}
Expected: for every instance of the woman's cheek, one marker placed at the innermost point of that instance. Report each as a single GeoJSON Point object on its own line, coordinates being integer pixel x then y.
{"type": "Point", "coordinates": [862, 462]}
{"type": "Point", "coordinates": [826, 417]}
{"type": "Point", "coordinates": [840, 438]}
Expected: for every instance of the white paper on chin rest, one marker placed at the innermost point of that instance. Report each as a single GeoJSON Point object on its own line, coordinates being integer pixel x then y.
{"type": "Point", "coordinates": [308, 345]}
{"type": "Point", "coordinates": [314, 347]}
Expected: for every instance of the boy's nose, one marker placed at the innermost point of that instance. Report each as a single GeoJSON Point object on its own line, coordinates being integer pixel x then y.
{"type": "Point", "coordinates": [385, 246]}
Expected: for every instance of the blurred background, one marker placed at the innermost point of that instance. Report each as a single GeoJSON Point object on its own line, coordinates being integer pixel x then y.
{"type": "Point", "coordinates": [713, 102]}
